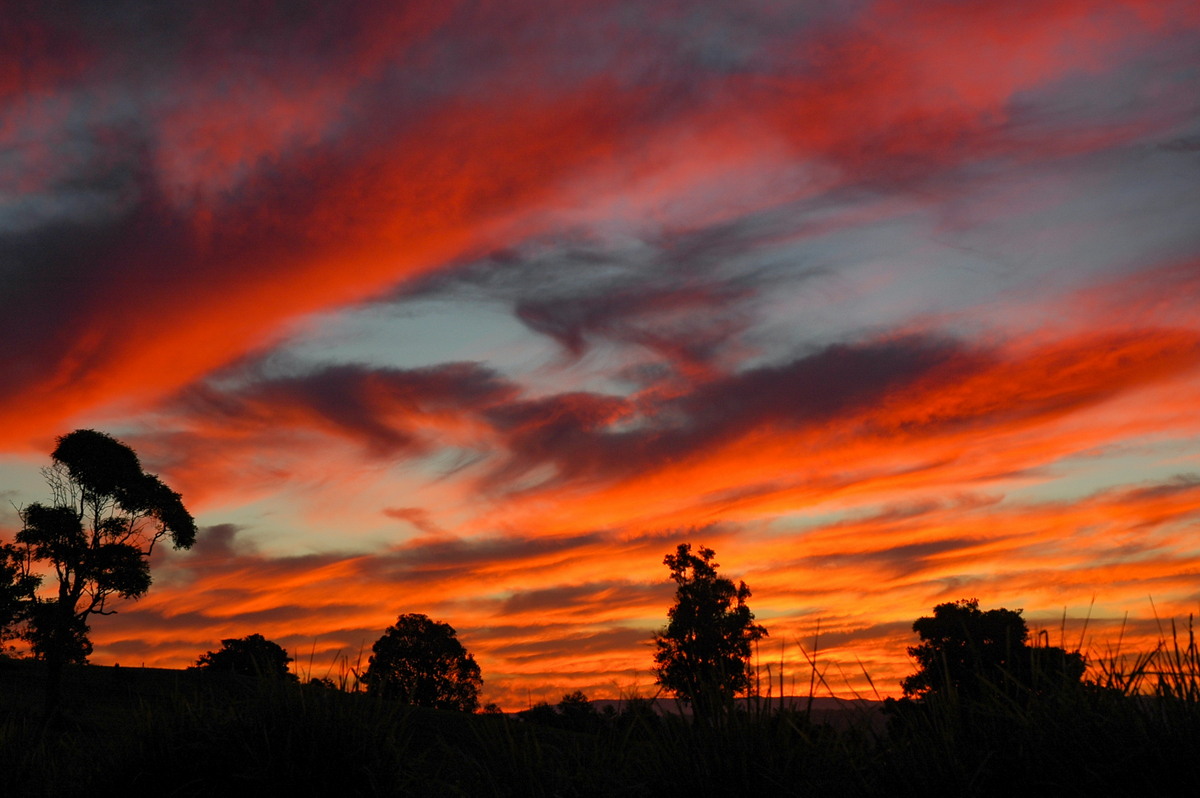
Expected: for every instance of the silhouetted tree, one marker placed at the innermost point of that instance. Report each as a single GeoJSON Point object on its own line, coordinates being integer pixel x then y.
{"type": "Point", "coordinates": [575, 703]}
{"type": "Point", "coordinates": [252, 655]}
{"type": "Point", "coordinates": [541, 713]}
{"type": "Point", "coordinates": [17, 589]}
{"type": "Point", "coordinates": [97, 534]}
{"type": "Point", "coordinates": [703, 654]}
{"type": "Point", "coordinates": [639, 712]}
{"type": "Point", "coordinates": [969, 651]}
{"type": "Point", "coordinates": [421, 662]}
{"type": "Point", "coordinates": [578, 713]}
{"type": "Point", "coordinates": [574, 712]}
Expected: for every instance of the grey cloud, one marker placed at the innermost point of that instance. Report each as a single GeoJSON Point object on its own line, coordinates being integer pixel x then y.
{"type": "Point", "coordinates": [379, 407]}
{"type": "Point", "coordinates": [572, 431]}
{"type": "Point", "coordinates": [572, 645]}
{"type": "Point", "coordinates": [607, 594]}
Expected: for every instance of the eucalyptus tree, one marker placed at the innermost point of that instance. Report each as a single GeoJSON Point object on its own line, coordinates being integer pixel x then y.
{"type": "Point", "coordinates": [96, 535]}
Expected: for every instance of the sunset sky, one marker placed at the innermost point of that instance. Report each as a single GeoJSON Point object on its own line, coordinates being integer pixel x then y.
{"type": "Point", "coordinates": [479, 309]}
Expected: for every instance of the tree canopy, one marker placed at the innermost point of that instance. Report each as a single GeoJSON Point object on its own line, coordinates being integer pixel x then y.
{"type": "Point", "coordinates": [97, 534]}
{"type": "Point", "coordinates": [17, 589]}
{"type": "Point", "coordinates": [969, 652]}
{"type": "Point", "coordinates": [252, 655]}
{"type": "Point", "coordinates": [421, 662]}
{"type": "Point", "coordinates": [703, 654]}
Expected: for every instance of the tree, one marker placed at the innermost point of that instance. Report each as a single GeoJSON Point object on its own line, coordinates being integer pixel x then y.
{"type": "Point", "coordinates": [17, 589]}
{"type": "Point", "coordinates": [421, 662]}
{"type": "Point", "coordinates": [98, 533]}
{"type": "Point", "coordinates": [703, 654]}
{"type": "Point", "coordinates": [578, 713]}
{"type": "Point", "coordinates": [574, 712]}
{"type": "Point", "coordinates": [968, 652]}
{"type": "Point", "coordinates": [253, 655]}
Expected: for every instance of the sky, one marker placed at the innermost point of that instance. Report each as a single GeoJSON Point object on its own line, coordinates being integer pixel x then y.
{"type": "Point", "coordinates": [478, 310]}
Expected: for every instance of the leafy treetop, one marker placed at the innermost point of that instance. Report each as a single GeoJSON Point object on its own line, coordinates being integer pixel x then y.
{"type": "Point", "coordinates": [252, 655]}
{"type": "Point", "coordinates": [17, 589]}
{"type": "Point", "coordinates": [421, 662]}
{"type": "Point", "coordinates": [968, 652]}
{"type": "Point", "coordinates": [703, 654]}
{"type": "Point", "coordinates": [97, 534]}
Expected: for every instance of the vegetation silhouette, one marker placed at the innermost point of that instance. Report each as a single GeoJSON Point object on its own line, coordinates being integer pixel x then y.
{"type": "Point", "coordinates": [421, 662]}
{"type": "Point", "coordinates": [971, 652]}
{"type": "Point", "coordinates": [104, 520]}
{"type": "Point", "coordinates": [1132, 730]}
{"type": "Point", "coordinates": [703, 654]}
{"type": "Point", "coordinates": [986, 712]}
{"type": "Point", "coordinates": [578, 712]}
{"type": "Point", "coordinates": [989, 713]}
{"type": "Point", "coordinates": [252, 655]}
{"type": "Point", "coordinates": [17, 589]}
{"type": "Point", "coordinates": [574, 712]}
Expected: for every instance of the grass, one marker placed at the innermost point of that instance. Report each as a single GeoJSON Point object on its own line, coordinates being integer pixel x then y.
{"type": "Point", "coordinates": [1132, 728]}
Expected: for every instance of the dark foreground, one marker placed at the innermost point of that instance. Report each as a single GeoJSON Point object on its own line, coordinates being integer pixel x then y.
{"type": "Point", "coordinates": [156, 732]}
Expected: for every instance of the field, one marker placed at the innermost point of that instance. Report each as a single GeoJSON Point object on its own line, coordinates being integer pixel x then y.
{"type": "Point", "coordinates": [1130, 731]}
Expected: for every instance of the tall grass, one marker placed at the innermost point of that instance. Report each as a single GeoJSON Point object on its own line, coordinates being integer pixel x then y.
{"type": "Point", "coordinates": [1132, 727]}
